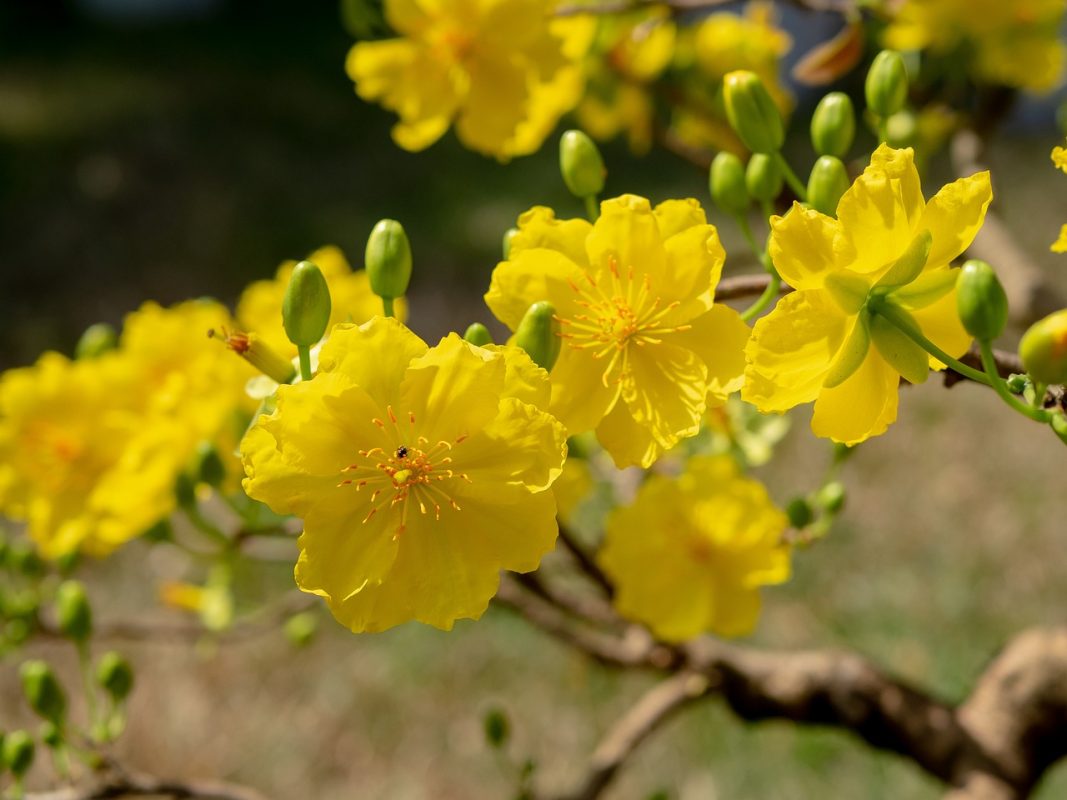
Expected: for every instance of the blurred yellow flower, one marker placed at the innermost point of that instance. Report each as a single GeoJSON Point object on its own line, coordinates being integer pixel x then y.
{"type": "Point", "coordinates": [1060, 245]}
{"type": "Point", "coordinates": [1059, 158]}
{"type": "Point", "coordinates": [259, 308]}
{"type": "Point", "coordinates": [691, 553]}
{"type": "Point", "coordinates": [1011, 43]}
{"type": "Point", "coordinates": [822, 342]}
{"type": "Point", "coordinates": [419, 474]}
{"type": "Point", "coordinates": [644, 349]}
{"type": "Point", "coordinates": [490, 66]}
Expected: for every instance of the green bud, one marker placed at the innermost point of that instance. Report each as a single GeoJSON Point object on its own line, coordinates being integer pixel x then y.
{"type": "Point", "coordinates": [97, 340]}
{"type": "Point", "coordinates": [981, 301]}
{"type": "Point", "coordinates": [185, 491]}
{"type": "Point", "coordinates": [752, 112]}
{"type": "Point", "coordinates": [1043, 349]}
{"type": "Point", "coordinates": [538, 334]}
{"type": "Point", "coordinates": [763, 177]}
{"type": "Point", "coordinates": [509, 234]}
{"type": "Point", "coordinates": [581, 165]}
{"type": "Point", "coordinates": [115, 675]}
{"type": "Point", "coordinates": [478, 334]}
{"type": "Point", "coordinates": [496, 727]}
{"type": "Point", "coordinates": [300, 628]}
{"type": "Point", "coordinates": [42, 690]}
{"type": "Point", "coordinates": [160, 532]}
{"type": "Point", "coordinates": [306, 306]}
{"type": "Point", "coordinates": [21, 557]}
{"type": "Point", "coordinates": [887, 84]}
{"type": "Point", "coordinates": [19, 751]}
{"type": "Point", "coordinates": [73, 612]}
{"type": "Point", "coordinates": [1017, 383]}
{"type": "Point", "coordinates": [207, 464]}
{"type": "Point", "coordinates": [388, 259]}
{"type": "Point", "coordinates": [902, 129]}
{"type": "Point", "coordinates": [800, 513]}
{"type": "Point", "coordinates": [833, 125]}
{"type": "Point", "coordinates": [726, 181]}
{"type": "Point", "coordinates": [51, 735]}
{"type": "Point", "coordinates": [826, 184]}
{"type": "Point", "coordinates": [831, 497]}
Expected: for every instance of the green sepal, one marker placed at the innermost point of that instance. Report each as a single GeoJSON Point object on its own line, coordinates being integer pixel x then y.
{"type": "Point", "coordinates": [848, 289]}
{"type": "Point", "coordinates": [926, 289]}
{"type": "Point", "coordinates": [897, 348]}
{"type": "Point", "coordinates": [910, 265]}
{"type": "Point", "coordinates": [852, 353]}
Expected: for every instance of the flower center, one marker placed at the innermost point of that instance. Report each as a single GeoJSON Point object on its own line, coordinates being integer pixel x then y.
{"type": "Point", "coordinates": [620, 311]}
{"type": "Point", "coordinates": [414, 470]}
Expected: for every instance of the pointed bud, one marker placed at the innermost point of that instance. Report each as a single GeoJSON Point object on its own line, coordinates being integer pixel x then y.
{"type": "Point", "coordinates": [19, 751]}
{"type": "Point", "coordinates": [763, 178]}
{"type": "Point", "coordinates": [726, 181]}
{"type": "Point", "coordinates": [1043, 349]}
{"type": "Point", "coordinates": [73, 613]}
{"type": "Point", "coordinates": [538, 334]}
{"type": "Point", "coordinates": [257, 353]}
{"type": "Point", "coordinates": [581, 165]}
{"type": "Point", "coordinates": [887, 84]}
{"type": "Point", "coordinates": [981, 301]}
{"type": "Point", "coordinates": [478, 334]}
{"type": "Point", "coordinates": [509, 234]}
{"type": "Point", "coordinates": [97, 340]}
{"type": "Point", "coordinates": [826, 184]}
{"type": "Point", "coordinates": [42, 690]}
{"type": "Point", "coordinates": [800, 513]}
{"type": "Point", "coordinates": [752, 112]}
{"type": "Point", "coordinates": [833, 125]}
{"type": "Point", "coordinates": [306, 306]}
{"type": "Point", "coordinates": [51, 735]}
{"type": "Point", "coordinates": [388, 259]}
{"type": "Point", "coordinates": [115, 675]}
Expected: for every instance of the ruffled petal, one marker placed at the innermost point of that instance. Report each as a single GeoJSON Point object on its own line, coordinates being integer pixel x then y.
{"type": "Point", "coordinates": [530, 277]}
{"type": "Point", "coordinates": [374, 355]}
{"type": "Point", "coordinates": [861, 407]}
{"type": "Point", "coordinates": [954, 215]}
{"type": "Point", "coordinates": [539, 228]}
{"type": "Point", "coordinates": [719, 337]}
{"type": "Point", "coordinates": [802, 246]}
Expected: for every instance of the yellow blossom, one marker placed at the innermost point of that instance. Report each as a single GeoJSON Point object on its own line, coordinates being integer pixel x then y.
{"type": "Point", "coordinates": [644, 350]}
{"type": "Point", "coordinates": [489, 66]}
{"type": "Point", "coordinates": [259, 308]}
{"type": "Point", "coordinates": [826, 342]}
{"type": "Point", "coordinates": [691, 553]}
{"type": "Point", "coordinates": [1060, 245]}
{"type": "Point", "coordinates": [1011, 43]}
{"type": "Point", "coordinates": [1059, 158]}
{"type": "Point", "coordinates": [419, 473]}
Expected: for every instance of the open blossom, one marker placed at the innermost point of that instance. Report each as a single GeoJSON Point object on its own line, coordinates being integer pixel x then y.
{"type": "Point", "coordinates": [419, 473]}
{"type": "Point", "coordinates": [691, 553]}
{"type": "Point", "coordinates": [492, 67]}
{"type": "Point", "coordinates": [822, 342]}
{"type": "Point", "coordinates": [645, 350]}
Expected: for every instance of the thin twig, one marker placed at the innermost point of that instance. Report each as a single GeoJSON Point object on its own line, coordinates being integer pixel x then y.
{"type": "Point", "coordinates": [585, 560]}
{"type": "Point", "coordinates": [136, 785]}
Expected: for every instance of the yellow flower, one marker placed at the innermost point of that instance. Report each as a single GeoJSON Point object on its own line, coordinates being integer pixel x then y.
{"type": "Point", "coordinates": [1012, 43]}
{"type": "Point", "coordinates": [1060, 245]}
{"type": "Point", "coordinates": [822, 342]}
{"type": "Point", "coordinates": [259, 308]}
{"type": "Point", "coordinates": [691, 552]}
{"type": "Point", "coordinates": [644, 349]}
{"type": "Point", "coordinates": [419, 473]}
{"type": "Point", "coordinates": [1059, 158]}
{"type": "Point", "coordinates": [487, 65]}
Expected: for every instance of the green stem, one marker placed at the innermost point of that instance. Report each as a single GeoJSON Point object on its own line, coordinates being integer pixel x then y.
{"type": "Point", "coordinates": [750, 238]}
{"type": "Point", "coordinates": [883, 130]}
{"type": "Point", "coordinates": [592, 208]}
{"type": "Point", "coordinates": [85, 663]}
{"type": "Point", "coordinates": [768, 210]}
{"type": "Point", "coordinates": [1001, 388]}
{"type": "Point", "coordinates": [305, 362]}
{"type": "Point", "coordinates": [791, 177]}
{"type": "Point", "coordinates": [387, 307]}
{"type": "Point", "coordinates": [764, 299]}
{"type": "Point", "coordinates": [1039, 394]}
{"type": "Point", "coordinates": [930, 347]}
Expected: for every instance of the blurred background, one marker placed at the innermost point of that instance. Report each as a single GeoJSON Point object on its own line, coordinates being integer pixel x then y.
{"type": "Point", "coordinates": [168, 149]}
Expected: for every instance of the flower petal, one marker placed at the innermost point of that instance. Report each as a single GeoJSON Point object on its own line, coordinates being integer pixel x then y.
{"type": "Point", "coordinates": [719, 337]}
{"type": "Point", "coordinates": [628, 442]}
{"type": "Point", "coordinates": [529, 277]}
{"type": "Point", "coordinates": [495, 104]}
{"type": "Point", "coordinates": [940, 323]}
{"type": "Point", "coordinates": [581, 393]}
{"type": "Point", "coordinates": [861, 407]}
{"type": "Point", "coordinates": [374, 355]}
{"type": "Point", "coordinates": [539, 228]}
{"type": "Point", "coordinates": [802, 246]}
{"type": "Point", "coordinates": [954, 216]}
{"type": "Point", "coordinates": [667, 392]}
{"type": "Point", "coordinates": [626, 234]}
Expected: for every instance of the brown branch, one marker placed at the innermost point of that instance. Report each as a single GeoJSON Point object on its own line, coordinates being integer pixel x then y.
{"type": "Point", "coordinates": [585, 560]}
{"type": "Point", "coordinates": [135, 785]}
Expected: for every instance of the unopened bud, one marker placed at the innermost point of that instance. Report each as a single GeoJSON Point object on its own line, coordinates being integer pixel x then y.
{"type": "Point", "coordinates": [981, 301]}
{"type": "Point", "coordinates": [826, 184]}
{"type": "Point", "coordinates": [1043, 349]}
{"type": "Point", "coordinates": [538, 334]}
{"type": "Point", "coordinates": [97, 340]}
{"type": "Point", "coordinates": [300, 629]}
{"type": "Point", "coordinates": [581, 165]}
{"type": "Point", "coordinates": [73, 612]}
{"type": "Point", "coordinates": [19, 751]}
{"type": "Point", "coordinates": [831, 496]}
{"type": "Point", "coordinates": [509, 234]}
{"type": "Point", "coordinates": [763, 178]}
{"type": "Point", "coordinates": [388, 259]}
{"type": "Point", "coordinates": [726, 181]}
{"type": "Point", "coordinates": [887, 84]}
{"type": "Point", "coordinates": [496, 727]}
{"type": "Point", "coordinates": [752, 112]}
{"type": "Point", "coordinates": [306, 306]}
{"type": "Point", "coordinates": [800, 513]}
{"type": "Point", "coordinates": [115, 675]}
{"type": "Point", "coordinates": [207, 464]}
{"type": "Point", "coordinates": [51, 735]}
{"type": "Point", "coordinates": [478, 334]}
{"type": "Point", "coordinates": [42, 690]}
{"type": "Point", "coordinates": [833, 125]}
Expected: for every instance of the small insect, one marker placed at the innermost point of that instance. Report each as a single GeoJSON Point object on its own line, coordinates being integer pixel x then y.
{"type": "Point", "coordinates": [401, 452]}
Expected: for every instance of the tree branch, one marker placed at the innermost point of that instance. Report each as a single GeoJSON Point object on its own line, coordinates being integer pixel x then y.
{"type": "Point", "coordinates": [136, 785]}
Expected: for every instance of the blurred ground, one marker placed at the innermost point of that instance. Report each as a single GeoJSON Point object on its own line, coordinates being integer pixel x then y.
{"type": "Point", "coordinates": [170, 161]}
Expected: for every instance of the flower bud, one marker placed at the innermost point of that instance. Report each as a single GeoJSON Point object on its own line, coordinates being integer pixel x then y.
{"type": "Point", "coordinates": [22, 558]}
{"type": "Point", "coordinates": [388, 259]}
{"type": "Point", "coordinates": [19, 751]}
{"type": "Point", "coordinates": [51, 735]}
{"type": "Point", "coordinates": [981, 301]}
{"type": "Point", "coordinates": [887, 84]}
{"type": "Point", "coordinates": [73, 613]}
{"type": "Point", "coordinates": [581, 165]}
{"type": "Point", "coordinates": [185, 491]}
{"type": "Point", "coordinates": [1017, 383]}
{"type": "Point", "coordinates": [509, 234]}
{"type": "Point", "coordinates": [538, 334]}
{"type": "Point", "coordinates": [831, 496]}
{"type": "Point", "coordinates": [300, 628]}
{"type": "Point", "coordinates": [763, 177]}
{"type": "Point", "coordinates": [306, 306]}
{"type": "Point", "coordinates": [96, 341]}
{"type": "Point", "coordinates": [1043, 349]}
{"type": "Point", "coordinates": [800, 513]}
{"type": "Point", "coordinates": [207, 464]}
{"type": "Point", "coordinates": [42, 690]}
{"type": "Point", "coordinates": [726, 181]}
{"type": "Point", "coordinates": [496, 727]}
{"type": "Point", "coordinates": [115, 675]}
{"type": "Point", "coordinates": [833, 125]}
{"type": "Point", "coordinates": [827, 182]}
{"type": "Point", "coordinates": [478, 334]}
{"type": "Point", "coordinates": [752, 112]}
